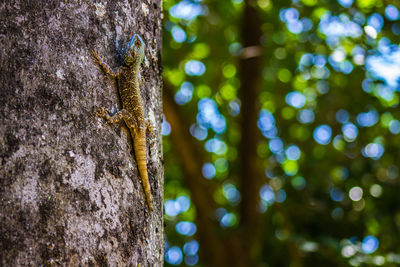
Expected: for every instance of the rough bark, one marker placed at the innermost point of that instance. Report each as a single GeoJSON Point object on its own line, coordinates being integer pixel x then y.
{"type": "Point", "coordinates": [69, 185]}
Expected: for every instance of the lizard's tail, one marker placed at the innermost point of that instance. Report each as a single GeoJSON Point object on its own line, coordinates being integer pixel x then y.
{"type": "Point", "coordinates": [140, 152]}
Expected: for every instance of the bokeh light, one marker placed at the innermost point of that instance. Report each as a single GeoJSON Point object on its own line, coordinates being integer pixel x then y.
{"type": "Point", "coordinates": [208, 170]}
{"type": "Point", "coordinates": [350, 132]}
{"type": "Point", "coordinates": [267, 194]}
{"type": "Point", "coordinates": [376, 190]}
{"type": "Point", "coordinates": [322, 134]}
{"type": "Point", "coordinates": [373, 150]}
{"type": "Point", "coordinates": [185, 93]}
{"type": "Point", "coordinates": [195, 68]}
{"type": "Point", "coordinates": [293, 152]}
{"type": "Point", "coordinates": [231, 193]}
{"type": "Point", "coordinates": [392, 13]}
{"type": "Point", "coordinates": [306, 116]}
{"type": "Point", "coordinates": [330, 73]}
{"type": "Point", "coordinates": [187, 10]}
{"type": "Point", "coordinates": [186, 228]}
{"type": "Point", "coordinates": [295, 99]}
{"type": "Point", "coordinates": [370, 244]}
{"type": "Point", "coordinates": [356, 193]}
{"type": "Point", "coordinates": [346, 3]}
{"type": "Point", "coordinates": [174, 255]}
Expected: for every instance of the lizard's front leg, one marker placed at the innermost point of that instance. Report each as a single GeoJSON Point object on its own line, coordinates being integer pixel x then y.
{"type": "Point", "coordinates": [103, 66]}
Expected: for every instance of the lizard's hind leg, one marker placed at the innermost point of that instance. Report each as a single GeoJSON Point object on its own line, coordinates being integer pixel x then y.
{"type": "Point", "coordinates": [122, 114]}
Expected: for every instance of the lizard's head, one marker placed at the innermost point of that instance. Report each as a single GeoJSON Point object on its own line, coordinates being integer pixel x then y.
{"type": "Point", "coordinates": [135, 51]}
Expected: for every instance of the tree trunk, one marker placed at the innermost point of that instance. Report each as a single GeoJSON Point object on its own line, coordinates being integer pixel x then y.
{"type": "Point", "coordinates": [69, 185]}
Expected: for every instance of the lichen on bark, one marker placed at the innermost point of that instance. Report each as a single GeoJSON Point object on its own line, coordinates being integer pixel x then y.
{"type": "Point", "coordinates": [69, 185]}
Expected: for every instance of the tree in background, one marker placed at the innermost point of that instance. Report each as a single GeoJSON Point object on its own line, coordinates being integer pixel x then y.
{"type": "Point", "coordinates": [281, 132]}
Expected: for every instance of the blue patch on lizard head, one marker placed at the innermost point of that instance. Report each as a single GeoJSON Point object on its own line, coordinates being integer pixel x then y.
{"type": "Point", "coordinates": [135, 50]}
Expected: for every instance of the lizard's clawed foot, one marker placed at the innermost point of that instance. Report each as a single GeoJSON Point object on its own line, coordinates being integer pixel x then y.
{"type": "Point", "coordinates": [101, 112]}
{"type": "Point", "coordinates": [95, 55]}
{"type": "Point", "coordinates": [108, 73]}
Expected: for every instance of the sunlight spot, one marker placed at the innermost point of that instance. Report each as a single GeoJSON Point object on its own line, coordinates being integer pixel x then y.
{"type": "Point", "coordinates": [208, 170]}
{"type": "Point", "coordinates": [375, 190]}
{"type": "Point", "coordinates": [191, 247]}
{"type": "Point", "coordinates": [174, 255]}
{"type": "Point", "coordinates": [178, 34]}
{"type": "Point", "coordinates": [209, 116]}
{"type": "Point", "coordinates": [391, 12]}
{"type": "Point", "coordinates": [200, 133]}
{"type": "Point", "coordinates": [385, 66]}
{"type": "Point", "coordinates": [348, 251]}
{"type": "Point", "coordinates": [334, 26]}
{"type": "Point", "coordinates": [293, 152]}
{"type": "Point", "coordinates": [228, 220]}
{"type": "Point", "coordinates": [356, 193]}
{"type": "Point", "coordinates": [184, 203]}
{"type": "Point", "coordinates": [231, 193]}
{"type": "Point", "coordinates": [376, 21]}
{"type": "Point", "coordinates": [394, 126]}
{"type": "Point", "coordinates": [165, 128]}
{"type": "Point", "coordinates": [370, 31]}
{"type": "Point", "coordinates": [305, 116]}
{"type": "Point", "coordinates": [350, 132]}
{"type": "Point", "coordinates": [234, 107]}
{"type": "Point", "coordinates": [187, 10]}
{"type": "Point", "coordinates": [295, 99]}
{"type": "Point", "coordinates": [267, 194]}
{"type": "Point", "coordinates": [186, 228]}
{"type": "Point", "coordinates": [367, 119]}
{"type": "Point", "coordinates": [195, 68]}
{"type": "Point", "coordinates": [184, 95]}
{"type": "Point", "coordinates": [275, 145]}
{"type": "Point", "coordinates": [322, 134]}
{"type": "Point", "coordinates": [171, 207]}
{"type": "Point", "coordinates": [370, 244]}
{"type": "Point", "coordinates": [266, 120]}
{"type": "Point", "coordinates": [345, 3]}
{"type": "Point", "coordinates": [338, 55]}
{"type": "Point", "coordinates": [373, 150]}
{"type": "Point", "coordinates": [216, 146]}
{"type": "Point", "coordinates": [289, 14]}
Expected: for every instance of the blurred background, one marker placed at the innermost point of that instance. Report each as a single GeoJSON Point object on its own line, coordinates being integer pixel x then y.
{"type": "Point", "coordinates": [281, 132]}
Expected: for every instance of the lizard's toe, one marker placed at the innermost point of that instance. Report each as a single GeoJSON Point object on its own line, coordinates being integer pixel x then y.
{"type": "Point", "coordinates": [95, 54]}
{"type": "Point", "coordinates": [101, 112]}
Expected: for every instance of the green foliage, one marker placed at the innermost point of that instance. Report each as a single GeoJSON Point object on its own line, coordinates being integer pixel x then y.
{"type": "Point", "coordinates": [328, 115]}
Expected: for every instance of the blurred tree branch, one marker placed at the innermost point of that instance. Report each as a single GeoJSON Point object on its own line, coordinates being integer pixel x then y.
{"type": "Point", "coordinates": [250, 171]}
{"type": "Point", "coordinates": [244, 246]}
{"type": "Point", "coordinates": [201, 190]}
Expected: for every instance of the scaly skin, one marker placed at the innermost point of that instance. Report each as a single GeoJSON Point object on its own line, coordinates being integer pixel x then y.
{"type": "Point", "coordinates": [132, 112]}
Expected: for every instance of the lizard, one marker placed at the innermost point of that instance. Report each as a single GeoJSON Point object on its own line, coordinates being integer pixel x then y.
{"type": "Point", "coordinates": [132, 112]}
